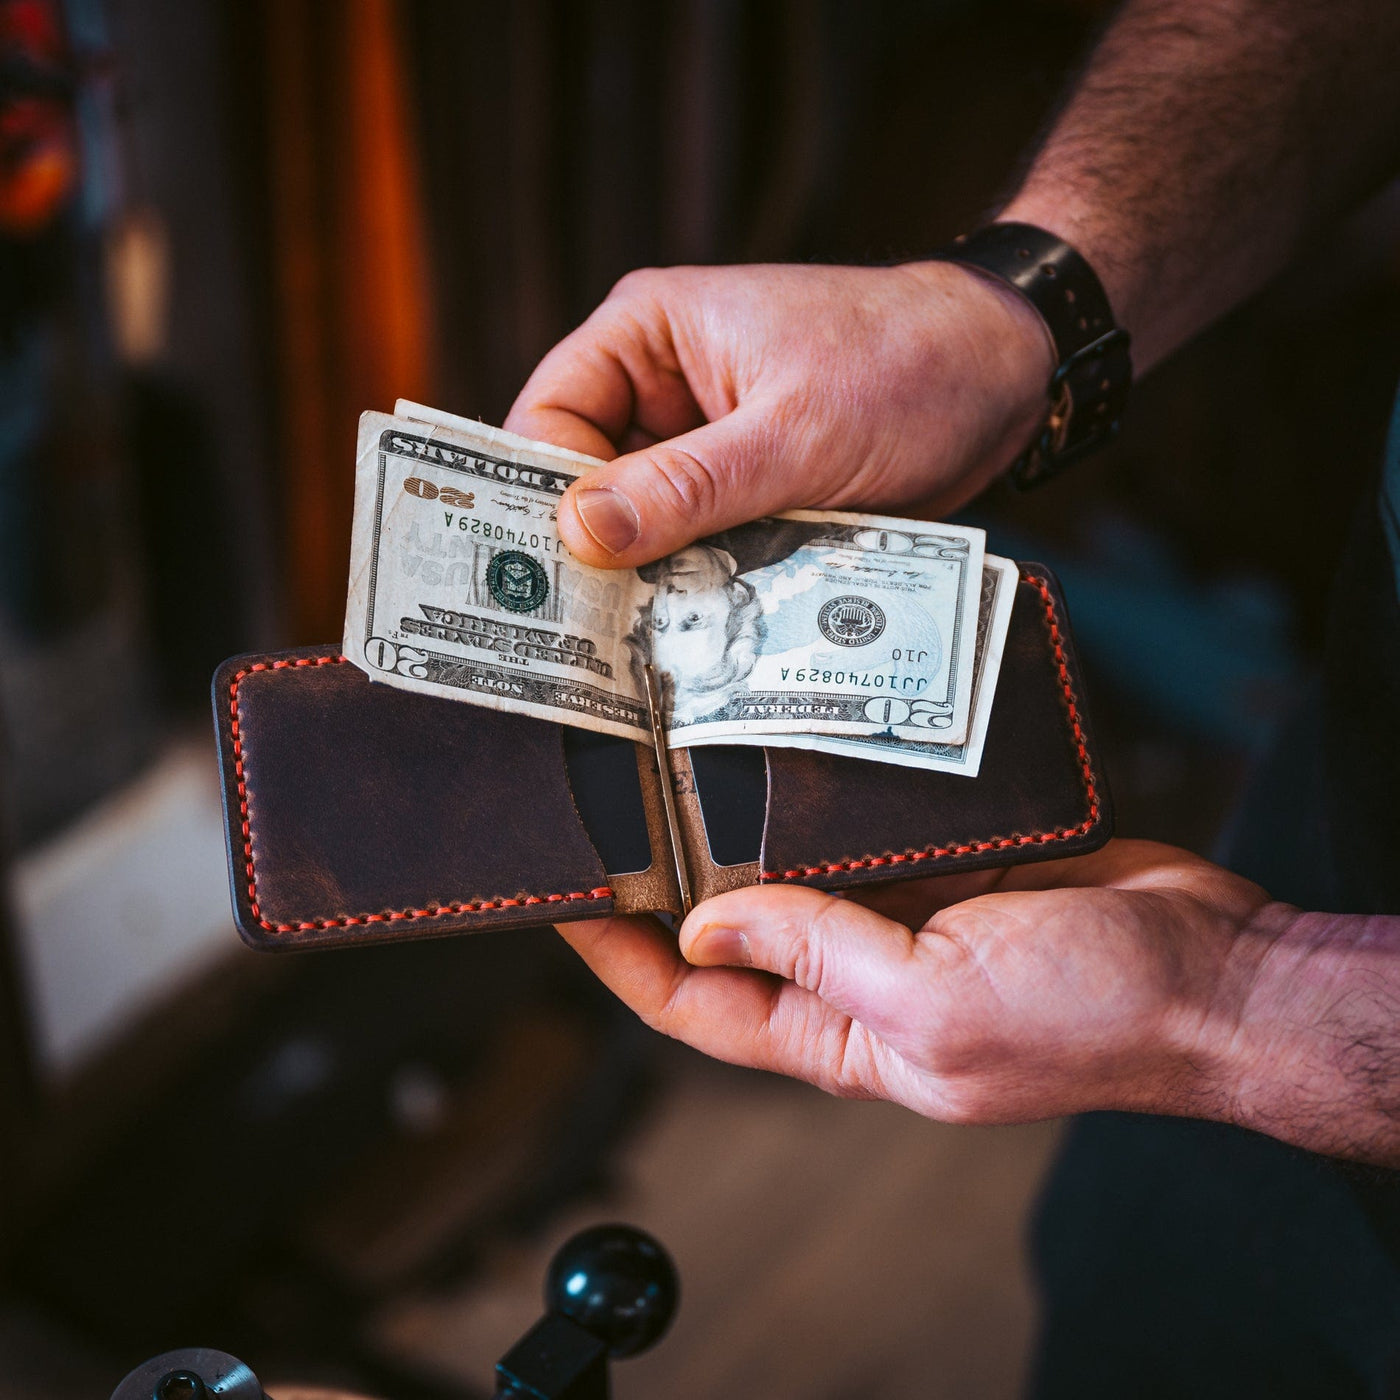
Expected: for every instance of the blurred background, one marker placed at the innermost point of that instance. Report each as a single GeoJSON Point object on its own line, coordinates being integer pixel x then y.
{"type": "Point", "coordinates": [225, 229]}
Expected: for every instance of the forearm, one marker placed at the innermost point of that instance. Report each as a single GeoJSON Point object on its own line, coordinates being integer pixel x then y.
{"type": "Point", "coordinates": [1206, 141]}
{"type": "Point", "coordinates": [1303, 1038]}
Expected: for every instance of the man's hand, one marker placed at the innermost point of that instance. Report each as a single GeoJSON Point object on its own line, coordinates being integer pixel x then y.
{"type": "Point", "coordinates": [1204, 145]}
{"type": "Point", "coordinates": [734, 392]}
{"type": "Point", "coordinates": [1139, 978]}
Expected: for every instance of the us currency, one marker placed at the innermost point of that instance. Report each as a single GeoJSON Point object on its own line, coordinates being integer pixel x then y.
{"type": "Point", "coordinates": [999, 577]}
{"type": "Point", "coordinates": [855, 627]}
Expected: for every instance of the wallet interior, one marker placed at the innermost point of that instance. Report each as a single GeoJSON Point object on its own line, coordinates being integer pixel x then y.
{"type": "Point", "coordinates": [359, 812]}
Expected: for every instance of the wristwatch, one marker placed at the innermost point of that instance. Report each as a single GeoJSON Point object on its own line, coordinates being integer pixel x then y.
{"type": "Point", "coordinates": [1090, 384]}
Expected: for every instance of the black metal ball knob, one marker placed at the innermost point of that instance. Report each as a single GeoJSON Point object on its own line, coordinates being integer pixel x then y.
{"type": "Point", "coordinates": [617, 1282]}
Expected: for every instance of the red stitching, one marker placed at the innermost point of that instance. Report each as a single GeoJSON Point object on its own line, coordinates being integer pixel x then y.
{"type": "Point", "coordinates": [430, 911]}
{"type": "Point", "coordinates": [998, 843]}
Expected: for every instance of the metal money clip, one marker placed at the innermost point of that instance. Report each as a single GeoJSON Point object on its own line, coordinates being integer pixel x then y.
{"type": "Point", "coordinates": [668, 790]}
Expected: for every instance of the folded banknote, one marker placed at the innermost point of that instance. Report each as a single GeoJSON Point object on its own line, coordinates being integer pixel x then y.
{"type": "Point", "coordinates": [852, 633]}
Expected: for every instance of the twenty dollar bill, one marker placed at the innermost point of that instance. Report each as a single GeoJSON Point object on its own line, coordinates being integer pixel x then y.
{"type": "Point", "coordinates": [802, 628]}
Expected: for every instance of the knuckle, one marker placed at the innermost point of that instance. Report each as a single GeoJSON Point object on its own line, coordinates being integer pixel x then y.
{"type": "Point", "coordinates": [808, 965]}
{"type": "Point", "coordinates": [966, 1106]}
{"type": "Point", "coordinates": [640, 282]}
{"type": "Point", "coordinates": [852, 1077]}
{"type": "Point", "coordinates": [692, 485]}
{"type": "Point", "coordinates": [819, 965]}
{"type": "Point", "coordinates": [841, 1088]}
{"type": "Point", "coordinates": [662, 1014]}
{"type": "Point", "coordinates": [953, 931]}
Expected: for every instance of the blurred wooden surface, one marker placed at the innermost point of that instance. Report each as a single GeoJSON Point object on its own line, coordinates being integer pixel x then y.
{"type": "Point", "coordinates": [302, 1393]}
{"type": "Point", "coordinates": [827, 1249]}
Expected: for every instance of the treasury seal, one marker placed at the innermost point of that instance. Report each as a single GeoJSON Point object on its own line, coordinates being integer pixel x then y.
{"type": "Point", "coordinates": [850, 621]}
{"type": "Point", "coordinates": [517, 581]}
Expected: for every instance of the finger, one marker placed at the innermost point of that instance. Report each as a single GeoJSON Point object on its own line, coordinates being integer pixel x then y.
{"type": "Point", "coordinates": [612, 382]}
{"type": "Point", "coordinates": [854, 959]}
{"type": "Point", "coordinates": [1121, 864]}
{"type": "Point", "coordinates": [652, 502]}
{"type": "Point", "coordinates": [745, 1017]}
{"type": "Point", "coordinates": [1129, 865]}
{"type": "Point", "coordinates": [910, 902]}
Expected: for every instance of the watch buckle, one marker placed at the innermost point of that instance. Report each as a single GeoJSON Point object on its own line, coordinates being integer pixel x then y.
{"type": "Point", "coordinates": [1094, 350]}
{"type": "Point", "coordinates": [1048, 454]}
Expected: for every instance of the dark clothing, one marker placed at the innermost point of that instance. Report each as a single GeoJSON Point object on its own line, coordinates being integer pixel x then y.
{"type": "Point", "coordinates": [1180, 1258]}
{"type": "Point", "coordinates": [1186, 1259]}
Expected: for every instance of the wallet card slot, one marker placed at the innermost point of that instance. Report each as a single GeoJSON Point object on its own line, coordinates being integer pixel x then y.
{"type": "Point", "coordinates": [602, 771]}
{"type": "Point", "coordinates": [731, 784]}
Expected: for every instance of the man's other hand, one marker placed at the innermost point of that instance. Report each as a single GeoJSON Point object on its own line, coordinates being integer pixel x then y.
{"type": "Point", "coordinates": [1140, 977]}
{"type": "Point", "coordinates": [733, 392]}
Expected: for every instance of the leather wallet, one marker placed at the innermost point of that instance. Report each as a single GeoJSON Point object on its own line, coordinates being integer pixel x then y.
{"type": "Point", "coordinates": [360, 813]}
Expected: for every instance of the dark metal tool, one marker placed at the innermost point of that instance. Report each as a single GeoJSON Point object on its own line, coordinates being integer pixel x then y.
{"type": "Point", "coordinates": [668, 785]}
{"type": "Point", "coordinates": [611, 1292]}
{"type": "Point", "coordinates": [193, 1373]}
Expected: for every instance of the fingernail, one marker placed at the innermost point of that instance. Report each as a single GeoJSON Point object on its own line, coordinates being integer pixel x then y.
{"type": "Point", "coordinates": [716, 943]}
{"type": "Point", "coordinates": [609, 517]}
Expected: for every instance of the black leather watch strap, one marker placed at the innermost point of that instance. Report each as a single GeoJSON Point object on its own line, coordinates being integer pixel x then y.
{"type": "Point", "coordinates": [1090, 385]}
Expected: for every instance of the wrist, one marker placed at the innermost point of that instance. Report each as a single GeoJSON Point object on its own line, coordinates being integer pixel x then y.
{"type": "Point", "coordinates": [1301, 1040]}
{"type": "Point", "coordinates": [1029, 350]}
{"type": "Point", "coordinates": [1084, 229]}
{"type": "Point", "coordinates": [1008, 352]}
{"type": "Point", "coordinates": [1087, 392]}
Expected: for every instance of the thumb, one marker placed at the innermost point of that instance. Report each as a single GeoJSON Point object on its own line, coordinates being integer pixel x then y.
{"type": "Point", "coordinates": [859, 962]}
{"type": "Point", "coordinates": [650, 503]}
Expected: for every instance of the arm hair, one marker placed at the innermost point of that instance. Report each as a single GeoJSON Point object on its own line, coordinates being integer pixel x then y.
{"type": "Point", "coordinates": [1207, 141]}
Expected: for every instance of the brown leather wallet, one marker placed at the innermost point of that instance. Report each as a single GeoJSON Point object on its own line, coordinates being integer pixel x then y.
{"type": "Point", "coordinates": [360, 813]}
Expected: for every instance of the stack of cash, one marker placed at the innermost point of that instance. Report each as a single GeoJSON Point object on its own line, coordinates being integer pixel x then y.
{"type": "Point", "coordinates": [852, 634]}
